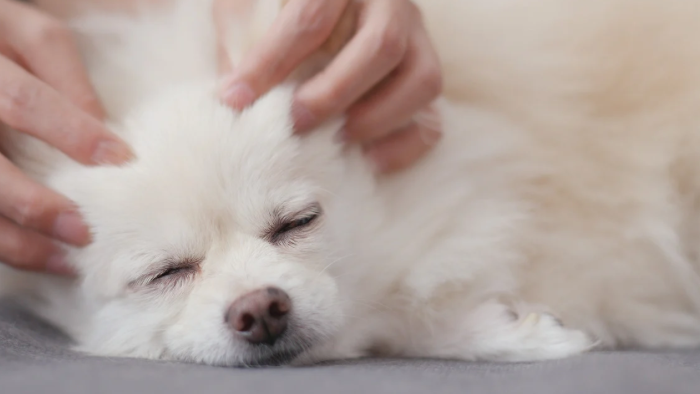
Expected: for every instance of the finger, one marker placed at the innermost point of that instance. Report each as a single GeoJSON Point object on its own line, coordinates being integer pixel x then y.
{"type": "Point", "coordinates": [30, 106]}
{"type": "Point", "coordinates": [403, 148]}
{"type": "Point", "coordinates": [8, 52]}
{"type": "Point", "coordinates": [55, 60]}
{"type": "Point", "coordinates": [36, 207]}
{"type": "Point", "coordinates": [375, 51]}
{"type": "Point", "coordinates": [416, 84]}
{"type": "Point", "coordinates": [25, 250]}
{"type": "Point", "coordinates": [48, 50]}
{"type": "Point", "coordinates": [301, 28]}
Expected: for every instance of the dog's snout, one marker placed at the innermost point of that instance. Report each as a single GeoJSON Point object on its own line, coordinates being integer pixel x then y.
{"type": "Point", "coordinates": [260, 317]}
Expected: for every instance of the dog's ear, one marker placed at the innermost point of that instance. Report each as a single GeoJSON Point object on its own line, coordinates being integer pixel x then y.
{"type": "Point", "coordinates": [243, 23]}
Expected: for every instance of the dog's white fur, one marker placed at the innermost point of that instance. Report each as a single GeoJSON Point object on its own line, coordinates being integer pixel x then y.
{"type": "Point", "coordinates": [566, 185]}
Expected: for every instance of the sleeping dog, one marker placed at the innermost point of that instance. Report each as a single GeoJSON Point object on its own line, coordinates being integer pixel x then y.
{"type": "Point", "coordinates": [557, 215]}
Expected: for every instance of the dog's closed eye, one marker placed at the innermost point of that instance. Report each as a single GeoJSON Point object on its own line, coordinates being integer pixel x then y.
{"type": "Point", "coordinates": [171, 274]}
{"type": "Point", "coordinates": [287, 228]}
{"type": "Point", "coordinates": [295, 224]}
{"type": "Point", "coordinates": [174, 271]}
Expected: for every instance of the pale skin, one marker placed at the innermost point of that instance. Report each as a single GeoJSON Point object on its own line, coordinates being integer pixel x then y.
{"type": "Point", "coordinates": [384, 80]}
{"type": "Point", "coordinates": [44, 92]}
{"type": "Point", "coordinates": [386, 75]}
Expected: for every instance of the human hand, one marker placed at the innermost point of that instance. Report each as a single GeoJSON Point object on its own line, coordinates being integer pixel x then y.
{"type": "Point", "coordinates": [44, 92]}
{"type": "Point", "coordinates": [384, 79]}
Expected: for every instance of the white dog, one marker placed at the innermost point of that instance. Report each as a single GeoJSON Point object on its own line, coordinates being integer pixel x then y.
{"type": "Point", "coordinates": [559, 212]}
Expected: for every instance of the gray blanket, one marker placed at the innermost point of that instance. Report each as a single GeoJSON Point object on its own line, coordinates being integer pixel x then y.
{"type": "Point", "coordinates": [35, 358]}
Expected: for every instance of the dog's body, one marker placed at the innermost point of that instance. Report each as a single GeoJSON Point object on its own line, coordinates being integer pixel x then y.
{"type": "Point", "coordinates": [558, 213]}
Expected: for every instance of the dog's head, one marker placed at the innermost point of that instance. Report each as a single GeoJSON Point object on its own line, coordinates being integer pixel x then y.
{"type": "Point", "coordinates": [211, 246]}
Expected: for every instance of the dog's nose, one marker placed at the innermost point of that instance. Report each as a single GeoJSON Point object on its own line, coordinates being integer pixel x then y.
{"type": "Point", "coordinates": [261, 316]}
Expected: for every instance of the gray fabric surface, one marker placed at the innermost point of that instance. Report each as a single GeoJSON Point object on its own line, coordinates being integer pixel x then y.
{"type": "Point", "coordinates": [35, 358]}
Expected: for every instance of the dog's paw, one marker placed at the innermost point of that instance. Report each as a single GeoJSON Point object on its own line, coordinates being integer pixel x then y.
{"type": "Point", "coordinates": [495, 331]}
{"type": "Point", "coordinates": [542, 336]}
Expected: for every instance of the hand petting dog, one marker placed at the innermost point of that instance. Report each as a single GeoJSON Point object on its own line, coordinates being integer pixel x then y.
{"type": "Point", "coordinates": [45, 92]}
{"type": "Point", "coordinates": [384, 76]}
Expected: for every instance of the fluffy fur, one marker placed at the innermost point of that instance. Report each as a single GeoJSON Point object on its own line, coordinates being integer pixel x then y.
{"type": "Point", "coordinates": [558, 213]}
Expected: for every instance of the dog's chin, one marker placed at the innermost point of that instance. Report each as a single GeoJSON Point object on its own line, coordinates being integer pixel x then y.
{"type": "Point", "coordinates": [291, 346]}
{"type": "Point", "coordinates": [277, 355]}
{"type": "Point", "coordinates": [296, 347]}
{"type": "Point", "coordinates": [275, 359]}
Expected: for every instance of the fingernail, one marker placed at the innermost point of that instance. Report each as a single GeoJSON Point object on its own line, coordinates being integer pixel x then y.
{"type": "Point", "coordinates": [303, 119]}
{"type": "Point", "coordinates": [69, 227]}
{"type": "Point", "coordinates": [58, 265]}
{"type": "Point", "coordinates": [239, 95]}
{"type": "Point", "coordinates": [110, 152]}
